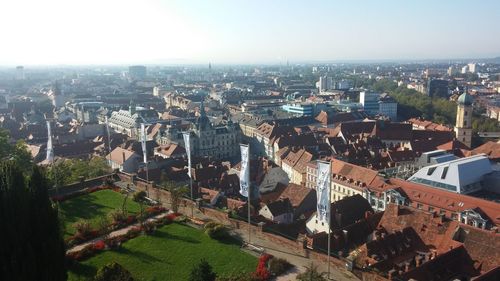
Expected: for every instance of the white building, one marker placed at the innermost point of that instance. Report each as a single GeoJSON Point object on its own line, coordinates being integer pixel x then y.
{"type": "Point", "coordinates": [129, 121]}
{"type": "Point", "coordinates": [462, 175]}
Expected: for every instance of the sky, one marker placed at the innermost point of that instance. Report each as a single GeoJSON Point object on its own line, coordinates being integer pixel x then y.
{"type": "Point", "coordinates": [86, 32]}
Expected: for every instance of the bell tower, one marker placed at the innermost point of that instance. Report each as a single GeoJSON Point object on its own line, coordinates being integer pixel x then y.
{"type": "Point", "coordinates": [463, 125]}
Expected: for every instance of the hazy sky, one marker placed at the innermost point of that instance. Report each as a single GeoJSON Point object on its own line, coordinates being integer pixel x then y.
{"type": "Point", "coordinates": [251, 31]}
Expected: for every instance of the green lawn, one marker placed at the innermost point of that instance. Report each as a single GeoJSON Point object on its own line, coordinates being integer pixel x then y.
{"type": "Point", "coordinates": [92, 206]}
{"type": "Point", "coordinates": [169, 254]}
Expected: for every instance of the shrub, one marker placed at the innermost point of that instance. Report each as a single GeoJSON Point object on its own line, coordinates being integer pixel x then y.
{"type": "Point", "coordinates": [82, 228]}
{"type": "Point", "coordinates": [139, 196]}
{"type": "Point", "coordinates": [312, 274]}
{"type": "Point", "coordinates": [262, 273]}
{"type": "Point", "coordinates": [215, 230]}
{"type": "Point", "coordinates": [278, 266]}
{"type": "Point", "coordinates": [103, 225]}
{"type": "Point", "coordinates": [149, 227]}
{"type": "Point", "coordinates": [99, 245]}
{"type": "Point", "coordinates": [131, 219]}
{"type": "Point", "coordinates": [117, 216]}
{"type": "Point", "coordinates": [113, 272]}
{"type": "Point", "coordinates": [202, 272]}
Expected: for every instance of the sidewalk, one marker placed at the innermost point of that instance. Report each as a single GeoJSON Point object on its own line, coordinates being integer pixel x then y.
{"type": "Point", "coordinates": [112, 234]}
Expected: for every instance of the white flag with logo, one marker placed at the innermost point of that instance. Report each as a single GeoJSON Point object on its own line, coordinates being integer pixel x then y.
{"type": "Point", "coordinates": [187, 146]}
{"type": "Point", "coordinates": [143, 142]}
{"type": "Point", "coordinates": [50, 149]}
{"type": "Point", "coordinates": [245, 170]}
{"type": "Point", "coordinates": [323, 191]}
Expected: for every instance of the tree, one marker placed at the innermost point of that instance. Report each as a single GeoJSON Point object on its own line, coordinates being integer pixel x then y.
{"type": "Point", "coordinates": [311, 274]}
{"type": "Point", "coordinates": [202, 272]}
{"type": "Point", "coordinates": [31, 241]}
{"type": "Point", "coordinates": [176, 194]}
{"type": "Point", "coordinates": [17, 152]}
{"type": "Point", "coordinates": [140, 197]}
{"type": "Point", "coordinates": [113, 272]}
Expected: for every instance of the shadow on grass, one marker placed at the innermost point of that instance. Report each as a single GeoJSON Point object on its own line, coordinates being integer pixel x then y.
{"type": "Point", "coordinates": [141, 255]}
{"type": "Point", "coordinates": [161, 234]}
{"type": "Point", "coordinates": [84, 271]}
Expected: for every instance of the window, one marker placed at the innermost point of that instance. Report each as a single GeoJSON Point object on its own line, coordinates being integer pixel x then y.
{"type": "Point", "coordinates": [419, 206]}
{"type": "Point", "coordinates": [430, 171]}
{"type": "Point", "coordinates": [445, 171]}
{"type": "Point", "coordinates": [465, 113]}
{"type": "Point", "coordinates": [431, 209]}
{"type": "Point", "coordinates": [465, 123]}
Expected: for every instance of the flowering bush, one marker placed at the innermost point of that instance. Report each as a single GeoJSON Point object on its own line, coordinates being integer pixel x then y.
{"type": "Point", "coordinates": [172, 216]}
{"type": "Point", "coordinates": [155, 210]}
{"type": "Point", "coordinates": [262, 273]}
{"type": "Point", "coordinates": [99, 245]}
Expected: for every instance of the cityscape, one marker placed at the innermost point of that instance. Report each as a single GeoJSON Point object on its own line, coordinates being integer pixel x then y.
{"type": "Point", "coordinates": [216, 140]}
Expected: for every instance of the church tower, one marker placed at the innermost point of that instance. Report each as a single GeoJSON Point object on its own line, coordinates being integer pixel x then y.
{"type": "Point", "coordinates": [463, 125]}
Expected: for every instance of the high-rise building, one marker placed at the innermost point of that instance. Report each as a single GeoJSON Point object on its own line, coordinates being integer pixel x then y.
{"type": "Point", "coordinates": [325, 83]}
{"type": "Point", "coordinates": [463, 125]}
{"type": "Point", "coordinates": [465, 69]}
{"type": "Point", "coordinates": [20, 72]}
{"type": "Point", "coordinates": [437, 88]}
{"type": "Point", "coordinates": [370, 100]}
{"type": "Point", "coordinates": [137, 71]}
{"type": "Point", "coordinates": [472, 67]}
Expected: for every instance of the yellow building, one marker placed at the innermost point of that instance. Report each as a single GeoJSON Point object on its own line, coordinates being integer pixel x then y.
{"type": "Point", "coordinates": [463, 126]}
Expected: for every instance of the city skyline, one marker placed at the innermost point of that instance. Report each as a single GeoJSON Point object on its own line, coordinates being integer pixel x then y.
{"type": "Point", "coordinates": [241, 32]}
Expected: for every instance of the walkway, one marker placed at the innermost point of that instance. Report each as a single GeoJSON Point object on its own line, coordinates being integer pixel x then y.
{"type": "Point", "coordinates": [112, 234]}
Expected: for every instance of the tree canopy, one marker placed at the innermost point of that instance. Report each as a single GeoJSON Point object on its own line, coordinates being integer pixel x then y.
{"type": "Point", "coordinates": [31, 241]}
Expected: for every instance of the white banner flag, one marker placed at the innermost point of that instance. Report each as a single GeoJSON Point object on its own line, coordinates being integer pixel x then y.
{"type": "Point", "coordinates": [323, 191]}
{"type": "Point", "coordinates": [143, 142]}
{"type": "Point", "coordinates": [50, 149]}
{"type": "Point", "coordinates": [187, 146]}
{"type": "Point", "coordinates": [245, 170]}
{"type": "Point", "coordinates": [109, 134]}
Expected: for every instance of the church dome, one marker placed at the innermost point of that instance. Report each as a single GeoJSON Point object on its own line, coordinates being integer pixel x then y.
{"type": "Point", "coordinates": [465, 99]}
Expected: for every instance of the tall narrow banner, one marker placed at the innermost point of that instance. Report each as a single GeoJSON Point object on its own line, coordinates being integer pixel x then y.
{"type": "Point", "coordinates": [323, 191]}
{"type": "Point", "coordinates": [245, 170]}
{"type": "Point", "coordinates": [109, 134]}
{"type": "Point", "coordinates": [50, 149]}
{"type": "Point", "coordinates": [187, 146]}
{"type": "Point", "coordinates": [143, 143]}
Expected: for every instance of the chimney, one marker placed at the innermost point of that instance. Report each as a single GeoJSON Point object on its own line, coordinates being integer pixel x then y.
{"type": "Point", "coordinates": [418, 261]}
{"type": "Point", "coordinates": [407, 266]}
{"type": "Point", "coordinates": [392, 273]}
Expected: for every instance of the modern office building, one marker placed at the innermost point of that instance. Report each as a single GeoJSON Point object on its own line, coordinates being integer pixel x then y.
{"type": "Point", "coordinates": [370, 100]}
{"type": "Point", "coordinates": [388, 107]}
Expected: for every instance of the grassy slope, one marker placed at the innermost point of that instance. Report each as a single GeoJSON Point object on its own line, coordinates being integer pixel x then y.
{"type": "Point", "coordinates": [91, 206]}
{"type": "Point", "coordinates": [169, 254]}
